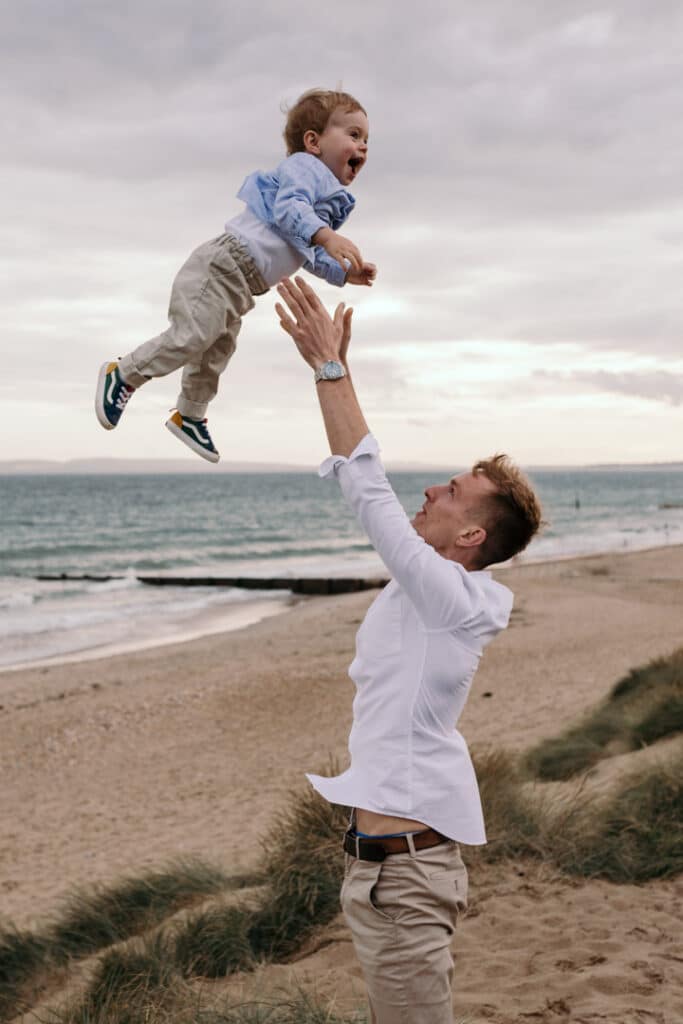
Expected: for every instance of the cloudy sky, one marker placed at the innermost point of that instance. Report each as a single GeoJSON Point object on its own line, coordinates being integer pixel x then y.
{"type": "Point", "coordinates": [522, 200]}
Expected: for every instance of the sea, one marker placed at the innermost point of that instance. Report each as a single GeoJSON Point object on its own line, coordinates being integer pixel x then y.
{"type": "Point", "coordinates": [260, 525]}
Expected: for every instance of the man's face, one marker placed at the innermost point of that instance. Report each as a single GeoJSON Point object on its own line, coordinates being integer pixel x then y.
{"type": "Point", "coordinates": [449, 515]}
{"type": "Point", "coordinates": [343, 146]}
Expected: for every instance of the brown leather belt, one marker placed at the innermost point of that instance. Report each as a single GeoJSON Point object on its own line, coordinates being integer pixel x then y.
{"type": "Point", "coordinates": [378, 849]}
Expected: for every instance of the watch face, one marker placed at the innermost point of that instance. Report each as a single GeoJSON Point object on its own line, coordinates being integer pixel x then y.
{"type": "Point", "coordinates": [331, 370]}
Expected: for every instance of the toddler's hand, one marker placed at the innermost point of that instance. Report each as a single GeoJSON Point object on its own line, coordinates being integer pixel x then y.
{"type": "Point", "coordinates": [339, 248]}
{"type": "Point", "coordinates": [366, 275]}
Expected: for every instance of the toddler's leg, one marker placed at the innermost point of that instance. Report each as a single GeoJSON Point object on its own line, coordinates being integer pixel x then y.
{"type": "Point", "coordinates": [200, 377]}
{"type": "Point", "coordinates": [208, 293]}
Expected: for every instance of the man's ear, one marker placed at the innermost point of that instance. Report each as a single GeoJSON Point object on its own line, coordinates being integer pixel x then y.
{"type": "Point", "coordinates": [312, 142]}
{"type": "Point", "coordinates": [471, 537]}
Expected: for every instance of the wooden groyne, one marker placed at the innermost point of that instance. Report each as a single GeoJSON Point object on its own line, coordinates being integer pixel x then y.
{"type": "Point", "coordinates": [325, 585]}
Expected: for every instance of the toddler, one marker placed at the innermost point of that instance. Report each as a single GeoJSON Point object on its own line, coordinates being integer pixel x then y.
{"type": "Point", "coordinates": [291, 220]}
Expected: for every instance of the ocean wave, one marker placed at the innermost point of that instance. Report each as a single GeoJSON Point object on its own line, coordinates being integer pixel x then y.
{"type": "Point", "coordinates": [101, 605]}
{"type": "Point", "coordinates": [19, 600]}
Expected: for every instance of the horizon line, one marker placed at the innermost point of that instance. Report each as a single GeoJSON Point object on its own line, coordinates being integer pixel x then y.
{"type": "Point", "coordinates": [111, 465]}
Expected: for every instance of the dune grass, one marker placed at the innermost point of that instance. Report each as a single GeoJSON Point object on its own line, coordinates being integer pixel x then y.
{"type": "Point", "coordinates": [513, 818]}
{"type": "Point", "coordinates": [303, 863]}
{"type": "Point", "coordinates": [635, 836]}
{"type": "Point", "coordinates": [91, 920]}
{"type": "Point", "coordinates": [213, 943]}
{"type": "Point", "coordinates": [302, 868]}
{"type": "Point", "coordinates": [300, 871]}
{"type": "Point", "coordinates": [96, 919]}
{"type": "Point", "coordinates": [133, 992]}
{"type": "Point", "coordinates": [638, 835]}
{"type": "Point", "coordinates": [130, 986]}
{"type": "Point", "coordinates": [644, 706]}
{"type": "Point", "coordinates": [22, 956]}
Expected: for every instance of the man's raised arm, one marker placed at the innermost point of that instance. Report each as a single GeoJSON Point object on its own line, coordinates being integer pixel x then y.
{"type": "Point", "coordinates": [322, 339]}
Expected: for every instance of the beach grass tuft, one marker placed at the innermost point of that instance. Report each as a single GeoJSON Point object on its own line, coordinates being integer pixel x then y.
{"type": "Point", "coordinates": [656, 674]}
{"type": "Point", "coordinates": [638, 835]}
{"type": "Point", "coordinates": [512, 816]}
{"type": "Point", "coordinates": [644, 706]}
{"type": "Point", "coordinates": [92, 920]}
{"type": "Point", "coordinates": [22, 956]}
{"type": "Point", "coordinates": [133, 993]}
{"type": "Point", "coordinates": [304, 865]}
{"type": "Point", "coordinates": [213, 943]}
{"type": "Point", "coordinates": [634, 836]}
{"type": "Point", "coordinates": [130, 986]}
{"type": "Point", "coordinates": [299, 1008]}
{"type": "Point", "coordinates": [665, 719]}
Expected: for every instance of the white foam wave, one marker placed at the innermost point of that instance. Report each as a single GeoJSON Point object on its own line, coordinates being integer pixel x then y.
{"type": "Point", "coordinates": [17, 600]}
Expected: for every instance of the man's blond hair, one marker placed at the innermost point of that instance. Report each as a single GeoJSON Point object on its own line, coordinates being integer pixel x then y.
{"type": "Point", "coordinates": [311, 112]}
{"type": "Point", "coordinates": [512, 515]}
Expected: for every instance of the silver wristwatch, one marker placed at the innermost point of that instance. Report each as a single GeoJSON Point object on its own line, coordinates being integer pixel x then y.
{"type": "Point", "coordinates": [331, 370]}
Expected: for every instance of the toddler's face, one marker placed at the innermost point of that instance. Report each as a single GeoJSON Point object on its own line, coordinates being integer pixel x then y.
{"type": "Point", "coordinates": [343, 146]}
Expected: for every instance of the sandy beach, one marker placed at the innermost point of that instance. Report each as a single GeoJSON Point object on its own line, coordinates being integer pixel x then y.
{"type": "Point", "coordinates": [117, 765]}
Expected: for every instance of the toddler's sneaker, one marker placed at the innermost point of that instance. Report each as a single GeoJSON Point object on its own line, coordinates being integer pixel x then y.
{"type": "Point", "coordinates": [111, 396]}
{"type": "Point", "coordinates": [195, 434]}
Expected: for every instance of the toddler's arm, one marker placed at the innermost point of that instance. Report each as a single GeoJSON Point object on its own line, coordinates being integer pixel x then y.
{"type": "Point", "coordinates": [339, 248]}
{"type": "Point", "coordinates": [303, 181]}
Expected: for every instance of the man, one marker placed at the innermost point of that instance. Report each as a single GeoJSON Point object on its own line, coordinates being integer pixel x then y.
{"type": "Point", "coordinates": [411, 781]}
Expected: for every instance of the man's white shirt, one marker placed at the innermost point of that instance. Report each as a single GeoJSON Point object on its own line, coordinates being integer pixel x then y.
{"type": "Point", "coordinates": [416, 654]}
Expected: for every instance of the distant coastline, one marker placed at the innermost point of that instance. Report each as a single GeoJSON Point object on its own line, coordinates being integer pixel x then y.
{"type": "Point", "coordinates": [147, 467]}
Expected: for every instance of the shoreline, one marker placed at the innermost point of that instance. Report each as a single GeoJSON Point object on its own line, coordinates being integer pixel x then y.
{"type": "Point", "coordinates": [237, 618]}
{"type": "Point", "coordinates": [240, 617]}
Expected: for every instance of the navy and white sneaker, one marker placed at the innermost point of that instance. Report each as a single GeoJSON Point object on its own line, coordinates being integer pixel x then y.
{"type": "Point", "coordinates": [111, 396]}
{"type": "Point", "coordinates": [195, 434]}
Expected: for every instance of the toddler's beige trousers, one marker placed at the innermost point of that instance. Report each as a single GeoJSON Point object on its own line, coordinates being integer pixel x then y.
{"type": "Point", "coordinates": [211, 293]}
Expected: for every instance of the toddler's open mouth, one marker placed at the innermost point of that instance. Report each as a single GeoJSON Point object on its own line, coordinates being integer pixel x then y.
{"type": "Point", "coordinates": [355, 163]}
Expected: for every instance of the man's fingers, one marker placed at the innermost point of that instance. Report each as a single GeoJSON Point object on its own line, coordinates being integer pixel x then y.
{"type": "Point", "coordinates": [308, 295]}
{"type": "Point", "coordinates": [338, 314]}
{"type": "Point", "coordinates": [346, 332]}
{"type": "Point", "coordinates": [286, 322]}
{"type": "Point", "coordinates": [346, 325]}
{"type": "Point", "coordinates": [291, 295]}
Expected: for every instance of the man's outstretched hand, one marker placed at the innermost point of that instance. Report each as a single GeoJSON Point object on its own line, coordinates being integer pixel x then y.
{"type": "Point", "coordinates": [318, 336]}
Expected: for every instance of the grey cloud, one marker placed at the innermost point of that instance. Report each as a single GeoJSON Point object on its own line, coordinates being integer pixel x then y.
{"type": "Point", "coordinates": [658, 386]}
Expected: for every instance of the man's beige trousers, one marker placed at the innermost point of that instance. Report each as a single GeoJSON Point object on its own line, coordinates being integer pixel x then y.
{"type": "Point", "coordinates": [210, 295]}
{"type": "Point", "coordinates": [402, 914]}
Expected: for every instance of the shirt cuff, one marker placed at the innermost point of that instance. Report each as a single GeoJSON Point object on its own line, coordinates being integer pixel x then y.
{"type": "Point", "coordinates": [367, 446]}
{"type": "Point", "coordinates": [309, 223]}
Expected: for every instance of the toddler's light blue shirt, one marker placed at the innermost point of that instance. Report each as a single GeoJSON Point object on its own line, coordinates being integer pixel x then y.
{"type": "Point", "coordinates": [298, 198]}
